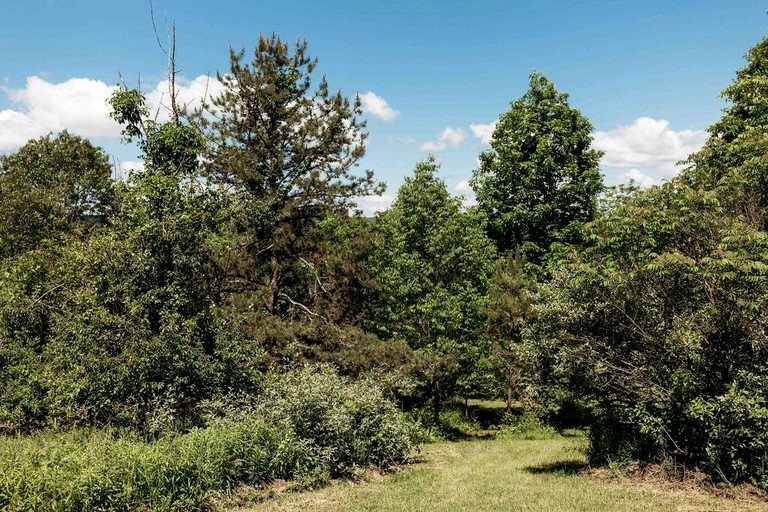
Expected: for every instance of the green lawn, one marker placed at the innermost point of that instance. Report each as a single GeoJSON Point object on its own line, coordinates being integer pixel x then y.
{"type": "Point", "coordinates": [501, 475]}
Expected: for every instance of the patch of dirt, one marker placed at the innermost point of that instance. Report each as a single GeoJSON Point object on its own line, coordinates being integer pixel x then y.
{"type": "Point", "coordinates": [695, 484]}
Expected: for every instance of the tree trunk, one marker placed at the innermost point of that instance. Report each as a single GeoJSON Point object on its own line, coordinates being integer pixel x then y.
{"type": "Point", "coordinates": [510, 386]}
{"type": "Point", "coordinates": [436, 403]}
{"type": "Point", "coordinates": [274, 283]}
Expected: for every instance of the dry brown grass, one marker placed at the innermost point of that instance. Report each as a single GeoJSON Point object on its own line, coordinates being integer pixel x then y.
{"type": "Point", "coordinates": [693, 485]}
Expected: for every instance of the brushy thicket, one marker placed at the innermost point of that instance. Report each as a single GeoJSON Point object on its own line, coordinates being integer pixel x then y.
{"type": "Point", "coordinates": [659, 322]}
{"type": "Point", "coordinates": [666, 342]}
{"type": "Point", "coordinates": [308, 424]}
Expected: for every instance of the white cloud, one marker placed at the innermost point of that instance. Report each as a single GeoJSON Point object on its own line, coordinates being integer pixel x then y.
{"type": "Point", "coordinates": [484, 132]}
{"type": "Point", "coordinates": [131, 166]}
{"type": "Point", "coordinates": [77, 104]}
{"type": "Point", "coordinates": [448, 138]}
{"type": "Point", "coordinates": [639, 177]}
{"type": "Point", "coordinates": [373, 204]}
{"type": "Point", "coordinates": [377, 106]}
{"type": "Point", "coordinates": [189, 94]}
{"type": "Point", "coordinates": [80, 106]}
{"type": "Point", "coordinates": [463, 186]}
{"type": "Point", "coordinates": [648, 143]}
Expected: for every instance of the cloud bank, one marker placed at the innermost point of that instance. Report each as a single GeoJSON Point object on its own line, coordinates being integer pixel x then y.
{"type": "Point", "coordinates": [648, 147]}
{"type": "Point", "coordinates": [448, 138]}
{"type": "Point", "coordinates": [80, 106]}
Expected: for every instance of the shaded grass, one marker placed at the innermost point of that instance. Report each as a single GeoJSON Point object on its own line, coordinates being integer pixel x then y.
{"type": "Point", "coordinates": [501, 474]}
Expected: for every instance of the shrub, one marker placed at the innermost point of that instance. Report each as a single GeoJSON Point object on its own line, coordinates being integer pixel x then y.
{"type": "Point", "coordinates": [309, 424]}
{"type": "Point", "coordinates": [735, 427]}
{"type": "Point", "coordinates": [526, 426]}
{"type": "Point", "coordinates": [346, 424]}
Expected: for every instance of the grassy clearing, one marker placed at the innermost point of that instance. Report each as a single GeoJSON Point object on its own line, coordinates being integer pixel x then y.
{"type": "Point", "coordinates": [511, 474]}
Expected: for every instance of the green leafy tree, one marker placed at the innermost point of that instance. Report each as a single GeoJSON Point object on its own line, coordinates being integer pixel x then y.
{"type": "Point", "coordinates": [734, 159]}
{"type": "Point", "coordinates": [123, 329]}
{"type": "Point", "coordinates": [660, 321]}
{"type": "Point", "coordinates": [49, 187]}
{"type": "Point", "coordinates": [540, 175]}
{"type": "Point", "coordinates": [509, 310]}
{"type": "Point", "coordinates": [285, 152]}
{"type": "Point", "coordinates": [432, 262]}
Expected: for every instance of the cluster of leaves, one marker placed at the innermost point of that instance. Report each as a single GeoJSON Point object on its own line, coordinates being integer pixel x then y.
{"type": "Point", "coordinates": [659, 321]}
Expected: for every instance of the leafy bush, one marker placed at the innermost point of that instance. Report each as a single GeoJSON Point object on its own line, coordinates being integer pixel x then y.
{"type": "Point", "coordinates": [346, 424]}
{"type": "Point", "coordinates": [660, 327]}
{"type": "Point", "coordinates": [735, 427]}
{"type": "Point", "coordinates": [310, 424]}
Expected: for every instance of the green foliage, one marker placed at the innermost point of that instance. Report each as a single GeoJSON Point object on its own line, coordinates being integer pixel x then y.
{"type": "Point", "coordinates": [235, 251]}
{"type": "Point", "coordinates": [347, 425]}
{"type": "Point", "coordinates": [733, 160]}
{"type": "Point", "coordinates": [432, 262]}
{"type": "Point", "coordinates": [540, 175]}
{"type": "Point", "coordinates": [92, 470]}
{"type": "Point", "coordinates": [526, 426]}
{"type": "Point", "coordinates": [48, 188]}
{"type": "Point", "coordinates": [285, 153]}
{"type": "Point", "coordinates": [120, 328]}
{"type": "Point", "coordinates": [666, 308]}
{"type": "Point", "coordinates": [172, 147]}
{"type": "Point", "coordinates": [735, 431]}
{"type": "Point", "coordinates": [308, 423]}
{"type": "Point", "coordinates": [129, 109]}
{"type": "Point", "coordinates": [508, 312]}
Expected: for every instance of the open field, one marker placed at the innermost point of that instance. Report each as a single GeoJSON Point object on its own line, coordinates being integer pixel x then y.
{"type": "Point", "coordinates": [498, 475]}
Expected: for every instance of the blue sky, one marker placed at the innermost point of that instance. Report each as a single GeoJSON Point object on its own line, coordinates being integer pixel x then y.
{"type": "Point", "coordinates": [647, 74]}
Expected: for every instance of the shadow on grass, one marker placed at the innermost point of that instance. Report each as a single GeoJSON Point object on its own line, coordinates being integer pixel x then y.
{"type": "Point", "coordinates": [475, 422]}
{"type": "Point", "coordinates": [563, 467]}
{"type": "Point", "coordinates": [572, 433]}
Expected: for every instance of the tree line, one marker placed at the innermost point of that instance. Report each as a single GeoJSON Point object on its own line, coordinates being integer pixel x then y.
{"type": "Point", "coordinates": [239, 250]}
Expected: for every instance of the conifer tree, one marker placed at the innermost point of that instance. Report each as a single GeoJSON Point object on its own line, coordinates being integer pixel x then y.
{"type": "Point", "coordinates": [286, 152]}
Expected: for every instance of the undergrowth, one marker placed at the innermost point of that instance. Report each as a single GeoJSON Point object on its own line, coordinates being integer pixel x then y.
{"type": "Point", "coordinates": [309, 426]}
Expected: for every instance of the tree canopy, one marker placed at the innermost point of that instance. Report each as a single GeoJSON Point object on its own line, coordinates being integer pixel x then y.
{"type": "Point", "coordinates": [49, 186]}
{"type": "Point", "coordinates": [163, 302]}
{"type": "Point", "coordinates": [432, 262]}
{"type": "Point", "coordinates": [540, 174]}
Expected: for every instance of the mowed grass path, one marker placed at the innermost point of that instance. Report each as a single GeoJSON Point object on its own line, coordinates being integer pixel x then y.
{"type": "Point", "coordinates": [501, 475]}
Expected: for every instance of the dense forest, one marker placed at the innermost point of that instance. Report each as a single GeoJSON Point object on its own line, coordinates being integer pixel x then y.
{"type": "Point", "coordinates": [229, 314]}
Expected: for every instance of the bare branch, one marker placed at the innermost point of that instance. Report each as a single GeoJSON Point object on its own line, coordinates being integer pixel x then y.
{"type": "Point", "coordinates": [304, 308]}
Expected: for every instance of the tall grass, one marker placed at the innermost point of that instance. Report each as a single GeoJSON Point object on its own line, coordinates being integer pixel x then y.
{"type": "Point", "coordinates": [308, 423]}
{"type": "Point", "coordinates": [109, 470]}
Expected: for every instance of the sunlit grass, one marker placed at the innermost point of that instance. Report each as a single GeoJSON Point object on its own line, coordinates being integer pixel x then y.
{"type": "Point", "coordinates": [501, 475]}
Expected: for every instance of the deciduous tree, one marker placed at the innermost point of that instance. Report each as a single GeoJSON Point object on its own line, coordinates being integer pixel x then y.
{"type": "Point", "coordinates": [540, 175]}
{"type": "Point", "coordinates": [433, 262]}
